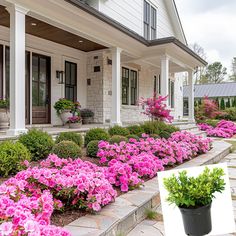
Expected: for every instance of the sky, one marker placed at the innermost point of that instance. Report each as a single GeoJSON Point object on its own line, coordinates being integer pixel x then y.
{"type": "Point", "coordinates": [212, 25]}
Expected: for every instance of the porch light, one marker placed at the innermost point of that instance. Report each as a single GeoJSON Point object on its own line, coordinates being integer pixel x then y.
{"type": "Point", "coordinates": [33, 24]}
{"type": "Point", "coordinates": [81, 41]}
{"type": "Point", "coordinates": [60, 76]}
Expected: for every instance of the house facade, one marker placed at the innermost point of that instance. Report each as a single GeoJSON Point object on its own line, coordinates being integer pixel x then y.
{"type": "Point", "coordinates": [105, 54]}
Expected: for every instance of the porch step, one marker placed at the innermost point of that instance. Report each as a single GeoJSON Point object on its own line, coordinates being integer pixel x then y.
{"type": "Point", "coordinates": [120, 217]}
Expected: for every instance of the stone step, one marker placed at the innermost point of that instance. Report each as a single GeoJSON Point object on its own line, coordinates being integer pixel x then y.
{"type": "Point", "coordinates": [120, 217]}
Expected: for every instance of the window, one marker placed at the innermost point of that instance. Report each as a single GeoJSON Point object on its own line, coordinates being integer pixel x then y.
{"type": "Point", "coordinates": [7, 72]}
{"type": "Point", "coordinates": [129, 86]}
{"type": "Point", "coordinates": [149, 21]}
{"type": "Point", "coordinates": [71, 81]}
{"type": "Point", "coordinates": [157, 85]}
{"type": "Point", "coordinates": [1, 71]}
{"type": "Point", "coordinates": [171, 93]}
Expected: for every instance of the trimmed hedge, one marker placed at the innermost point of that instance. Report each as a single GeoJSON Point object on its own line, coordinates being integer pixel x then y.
{"type": "Point", "coordinates": [67, 149]}
{"type": "Point", "coordinates": [117, 139]}
{"type": "Point", "coordinates": [11, 157]}
{"type": "Point", "coordinates": [96, 134]}
{"type": "Point", "coordinates": [92, 148]}
{"type": "Point", "coordinates": [118, 130]}
{"type": "Point", "coordinates": [39, 143]}
{"type": "Point", "coordinates": [70, 136]}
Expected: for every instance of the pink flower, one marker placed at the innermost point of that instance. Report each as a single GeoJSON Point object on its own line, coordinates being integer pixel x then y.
{"type": "Point", "coordinates": [6, 228]}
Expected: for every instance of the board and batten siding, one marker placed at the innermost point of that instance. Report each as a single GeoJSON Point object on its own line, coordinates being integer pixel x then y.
{"type": "Point", "coordinates": [130, 14]}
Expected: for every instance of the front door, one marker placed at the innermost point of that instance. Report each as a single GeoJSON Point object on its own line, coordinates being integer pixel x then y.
{"type": "Point", "coordinates": [41, 89]}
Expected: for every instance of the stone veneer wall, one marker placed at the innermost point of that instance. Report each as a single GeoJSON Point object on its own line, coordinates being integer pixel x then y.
{"type": "Point", "coordinates": [99, 92]}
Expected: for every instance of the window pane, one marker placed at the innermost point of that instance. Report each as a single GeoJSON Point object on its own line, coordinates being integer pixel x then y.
{"type": "Point", "coordinates": [153, 17]}
{"type": "Point", "coordinates": [125, 86]}
{"type": "Point", "coordinates": [159, 84]}
{"type": "Point", "coordinates": [71, 81]}
{"type": "Point", "coordinates": [172, 94]}
{"type": "Point", "coordinates": [7, 71]}
{"type": "Point", "coordinates": [153, 33]}
{"type": "Point", "coordinates": [35, 93]}
{"type": "Point", "coordinates": [1, 71]}
{"type": "Point", "coordinates": [73, 74]}
{"type": "Point", "coordinates": [133, 81]}
{"type": "Point", "coordinates": [146, 31]}
{"type": "Point", "coordinates": [43, 69]}
{"type": "Point", "coordinates": [42, 94]}
{"type": "Point", "coordinates": [35, 68]}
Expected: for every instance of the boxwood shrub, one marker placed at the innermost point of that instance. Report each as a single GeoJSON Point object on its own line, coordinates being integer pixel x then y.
{"type": "Point", "coordinates": [117, 139]}
{"type": "Point", "coordinates": [118, 130]}
{"type": "Point", "coordinates": [92, 148]}
{"type": "Point", "coordinates": [95, 134]}
{"type": "Point", "coordinates": [135, 130]}
{"type": "Point", "coordinates": [133, 136]}
{"type": "Point", "coordinates": [67, 149]}
{"type": "Point", "coordinates": [70, 136]}
{"type": "Point", "coordinates": [11, 156]}
{"type": "Point", "coordinates": [39, 143]}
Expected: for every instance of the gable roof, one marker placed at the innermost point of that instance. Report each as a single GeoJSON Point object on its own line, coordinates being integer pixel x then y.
{"type": "Point", "coordinates": [212, 90]}
{"type": "Point", "coordinates": [149, 43]}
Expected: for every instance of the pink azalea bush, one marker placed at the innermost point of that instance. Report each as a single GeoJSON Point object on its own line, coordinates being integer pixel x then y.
{"type": "Point", "coordinates": [129, 163]}
{"type": "Point", "coordinates": [156, 108]}
{"type": "Point", "coordinates": [28, 199]}
{"type": "Point", "coordinates": [224, 129]}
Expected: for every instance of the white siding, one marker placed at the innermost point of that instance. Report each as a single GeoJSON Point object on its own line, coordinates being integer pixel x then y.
{"type": "Point", "coordinates": [130, 14]}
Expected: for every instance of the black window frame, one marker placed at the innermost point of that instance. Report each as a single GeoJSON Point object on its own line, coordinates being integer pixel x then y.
{"type": "Point", "coordinates": [69, 84]}
{"type": "Point", "coordinates": [149, 21]}
{"type": "Point", "coordinates": [171, 99]}
{"type": "Point", "coordinates": [157, 85]}
{"type": "Point", "coordinates": [1, 71]}
{"type": "Point", "coordinates": [133, 87]}
{"type": "Point", "coordinates": [125, 86]}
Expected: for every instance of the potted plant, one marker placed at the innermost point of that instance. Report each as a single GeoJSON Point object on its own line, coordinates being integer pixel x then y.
{"type": "Point", "coordinates": [75, 122]}
{"type": "Point", "coordinates": [87, 116]}
{"type": "Point", "coordinates": [193, 196]}
{"type": "Point", "coordinates": [4, 114]}
{"type": "Point", "coordinates": [63, 108]}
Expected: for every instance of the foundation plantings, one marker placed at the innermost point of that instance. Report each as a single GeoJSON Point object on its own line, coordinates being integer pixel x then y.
{"type": "Point", "coordinates": [194, 196]}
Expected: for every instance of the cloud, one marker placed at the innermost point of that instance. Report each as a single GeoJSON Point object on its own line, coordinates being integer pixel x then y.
{"type": "Point", "coordinates": [211, 24]}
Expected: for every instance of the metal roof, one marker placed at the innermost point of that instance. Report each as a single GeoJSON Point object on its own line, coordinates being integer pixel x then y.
{"type": "Point", "coordinates": [212, 90]}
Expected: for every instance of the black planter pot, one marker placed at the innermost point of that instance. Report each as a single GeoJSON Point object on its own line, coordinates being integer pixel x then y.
{"type": "Point", "coordinates": [197, 222]}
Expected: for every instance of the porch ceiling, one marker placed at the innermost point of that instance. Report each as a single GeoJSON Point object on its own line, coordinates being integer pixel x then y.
{"type": "Point", "coordinates": [46, 31]}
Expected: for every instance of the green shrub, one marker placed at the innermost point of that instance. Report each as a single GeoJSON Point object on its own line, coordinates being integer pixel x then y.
{"type": "Point", "coordinates": [39, 143]}
{"type": "Point", "coordinates": [211, 122]}
{"type": "Point", "coordinates": [70, 136]}
{"type": "Point", "coordinates": [136, 130]}
{"type": "Point", "coordinates": [92, 148]}
{"type": "Point", "coordinates": [117, 139]}
{"type": "Point", "coordinates": [132, 136]}
{"type": "Point", "coordinates": [149, 127]}
{"type": "Point", "coordinates": [67, 149]}
{"type": "Point", "coordinates": [96, 134]}
{"type": "Point", "coordinates": [12, 154]}
{"type": "Point", "coordinates": [222, 104]}
{"type": "Point", "coordinates": [118, 130]}
{"type": "Point", "coordinates": [185, 191]}
{"type": "Point", "coordinates": [155, 136]}
{"type": "Point", "coordinates": [229, 114]}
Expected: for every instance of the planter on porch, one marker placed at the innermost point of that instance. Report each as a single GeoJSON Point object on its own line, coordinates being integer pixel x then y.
{"type": "Point", "coordinates": [74, 122]}
{"type": "Point", "coordinates": [75, 125]}
{"type": "Point", "coordinates": [65, 116]}
{"type": "Point", "coordinates": [4, 118]}
{"type": "Point", "coordinates": [87, 116]}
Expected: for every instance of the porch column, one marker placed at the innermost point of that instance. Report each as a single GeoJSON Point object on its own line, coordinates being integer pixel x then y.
{"type": "Point", "coordinates": [17, 69]}
{"type": "Point", "coordinates": [116, 90]}
{"type": "Point", "coordinates": [165, 76]}
{"type": "Point", "coordinates": [191, 97]}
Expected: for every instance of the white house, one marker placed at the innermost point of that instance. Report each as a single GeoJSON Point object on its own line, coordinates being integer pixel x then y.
{"type": "Point", "coordinates": [109, 52]}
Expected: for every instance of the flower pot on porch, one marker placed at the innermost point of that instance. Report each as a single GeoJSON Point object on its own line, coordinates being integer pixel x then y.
{"type": "Point", "coordinates": [75, 125]}
{"type": "Point", "coordinates": [197, 221]}
{"type": "Point", "coordinates": [4, 119]}
{"type": "Point", "coordinates": [65, 115]}
{"type": "Point", "coordinates": [87, 120]}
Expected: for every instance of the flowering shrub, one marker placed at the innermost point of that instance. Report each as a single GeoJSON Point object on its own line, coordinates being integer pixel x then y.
{"type": "Point", "coordinates": [156, 108]}
{"type": "Point", "coordinates": [224, 129]}
{"type": "Point", "coordinates": [28, 199]}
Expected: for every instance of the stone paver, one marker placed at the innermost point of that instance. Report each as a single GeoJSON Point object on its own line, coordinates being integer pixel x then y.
{"type": "Point", "coordinates": [147, 228]}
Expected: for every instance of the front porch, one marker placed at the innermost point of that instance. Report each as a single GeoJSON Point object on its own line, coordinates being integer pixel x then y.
{"type": "Point", "coordinates": [107, 74]}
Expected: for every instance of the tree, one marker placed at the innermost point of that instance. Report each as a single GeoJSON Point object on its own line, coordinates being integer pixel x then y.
{"type": "Point", "coordinates": [215, 72]}
{"type": "Point", "coordinates": [200, 71]}
{"type": "Point", "coordinates": [228, 103]}
{"type": "Point", "coordinates": [232, 77]}
{"type": "Point", "coordinates": [222, 104]}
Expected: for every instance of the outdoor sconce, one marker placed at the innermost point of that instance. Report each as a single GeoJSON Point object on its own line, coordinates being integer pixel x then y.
{"type": "Point", "coordinates": [60, 76]}
{"type": "Point", "coordinates": [109, 61]}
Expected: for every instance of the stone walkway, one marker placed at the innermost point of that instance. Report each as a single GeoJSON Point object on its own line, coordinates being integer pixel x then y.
{"type": "Point", "coordinates": [156, 228]}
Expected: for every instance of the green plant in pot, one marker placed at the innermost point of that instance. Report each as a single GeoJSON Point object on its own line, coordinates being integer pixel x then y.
{"type": "Point", "coordinates": [194, 196]}
{"type": "Point", "coordinates": [87, 116]}
{"type": "Point", "coordinates": [63, 108]}
{"type": "Point", "coordinates": [4, 114]}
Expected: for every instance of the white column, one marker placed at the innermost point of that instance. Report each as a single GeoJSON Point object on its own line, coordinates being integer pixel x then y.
{"type": "Point", "coordinates": [191, 97]}
{"type": "Point", "coordinates": [116, 87]}
{"type": "Point", "coordinates": [17, 69]}
{"type": "Point", "coordinates": [165, 76]}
